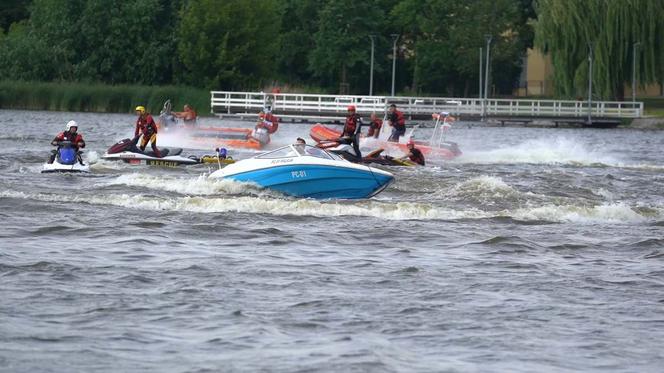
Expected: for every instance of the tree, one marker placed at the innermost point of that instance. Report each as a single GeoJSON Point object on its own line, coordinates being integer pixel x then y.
{"type": "Point", "coordinates": [299, 22]}
{"type": "Point", "coordinates": [443, 38]}
{"type": "Point", "coordinates": [566, 29]}
{"type": "Point", "coordinates": [111, 41]}
{"type": "Point", "coordinates": [228, 44]}
{"type": "Point", "coordinates": [13, 11]}
{"type": "Point", "coordinates": [342, 50]}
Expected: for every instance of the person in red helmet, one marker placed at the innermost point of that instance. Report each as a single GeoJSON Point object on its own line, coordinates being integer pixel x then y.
{"type": "Point", "coordinates": [146, 128]}
{"type": "Point", "coordinates": [71, 135]}
{"type": "Point", "coordinates": [352, 129]}
{"type": "Point", "coordinates": [414, 154]}
{"type": "Point", "coordinates": [353, 123]}
{"type": "Point", "coordinates": [267, 124]}
{"type": "Point", "coordinates": [268, 121]}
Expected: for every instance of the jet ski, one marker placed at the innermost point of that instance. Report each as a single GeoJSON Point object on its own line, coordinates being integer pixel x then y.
{"type": "Point", "coordinates": [306, 171]}
{"type": "Point", "coordinates": [66, 160]}
{"type": "Point", "coordinates": [126, 150]}
{"type": "Point", "coordinates": [349, 153]}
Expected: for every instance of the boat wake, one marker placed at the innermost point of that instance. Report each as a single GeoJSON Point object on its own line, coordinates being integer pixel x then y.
{"type": "Point", "coordinates": [559, 150]}
{"type": "Point", "coordinates": [615, 213]}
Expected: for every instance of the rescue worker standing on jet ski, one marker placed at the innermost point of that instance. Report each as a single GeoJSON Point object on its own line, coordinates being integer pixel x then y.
{"type": "Point", "coordinates": [71, 135]}
{"type": "Point", "coordinates": [147, 128]}
{"type": "Point", "coordinates": [352, 130]}
{"type": "Point", "coordinates": [397, 122]}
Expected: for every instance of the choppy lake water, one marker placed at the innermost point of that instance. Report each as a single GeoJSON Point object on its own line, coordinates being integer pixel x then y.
{"type": "Point", "coordinates": [537, 250]}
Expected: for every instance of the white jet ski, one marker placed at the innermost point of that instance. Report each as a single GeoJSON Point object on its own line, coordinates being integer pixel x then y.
{"type": "Point", "coordinates": [66, 160]}
{"type": "Point", "coordinates": [126, 150]}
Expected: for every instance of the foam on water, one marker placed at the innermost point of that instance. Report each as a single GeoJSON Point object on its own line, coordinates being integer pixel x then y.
{"type": "Point", "coordinates": [201, 185]}
{"type": "Point", "coordinates": [541, 151]}
{"type": "Point", "coordinates": [607, 213]}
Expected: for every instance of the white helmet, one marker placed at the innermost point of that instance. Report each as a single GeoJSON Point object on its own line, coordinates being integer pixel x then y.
{"type": "Point", "coordinates": [71, 124]}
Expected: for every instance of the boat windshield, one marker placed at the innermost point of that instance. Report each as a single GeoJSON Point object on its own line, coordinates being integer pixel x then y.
{"type": "Point", "coordinates": [299, 150]}
{"type": "Point", "coordinates": [285, 152]}
{"type": "Point", "coordinates": [312, 151]}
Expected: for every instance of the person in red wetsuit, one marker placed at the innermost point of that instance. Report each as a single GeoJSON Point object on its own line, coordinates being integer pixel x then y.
{"type": "Point", "coordinates": [414, 154]}
{"type": "Point", "coordinates": [397, 122]}
{"type": "Point", "coordinates": [146, 128]}
{"type": "Point", "coordinates": [268, 121]}
{"type": "Point", "coordinates": [70, 134]}
{"type": "Point", "coordinates": [374, 126]}
{"type": "Point", "coordinates": [268, 124]}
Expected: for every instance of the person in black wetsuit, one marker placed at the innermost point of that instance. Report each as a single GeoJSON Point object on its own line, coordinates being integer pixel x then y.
{"type": "Point", "coordinates": [414, 154]}
{"type": "Point", "coordinates": [352, 130]}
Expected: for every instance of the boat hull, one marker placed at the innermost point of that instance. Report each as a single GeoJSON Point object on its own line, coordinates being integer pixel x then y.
{"type": "Point", "coordinates": [317, 181]}
{"type": "Point", "coordinates": [138, 158]}
{"type": "Point", "coordinates": [68, 168]}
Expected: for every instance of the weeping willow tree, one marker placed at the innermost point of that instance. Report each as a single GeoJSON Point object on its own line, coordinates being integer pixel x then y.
{"type": "Point", "coordinates": [568, 29]}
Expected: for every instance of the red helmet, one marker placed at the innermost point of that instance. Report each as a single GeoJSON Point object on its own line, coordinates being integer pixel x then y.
{"type": "Point", "coordinates": [351, 107]}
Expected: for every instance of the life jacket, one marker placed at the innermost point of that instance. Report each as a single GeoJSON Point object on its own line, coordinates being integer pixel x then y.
{"type": "Point", "coordinates": [374, 127]}
{"type": "Point", "coordinates": [416, 156]}
{"type": "Point", "coordinates": [73, 138]}
{"type": "Point", "coordinates": [145, 126]}
{"type": "Point", "coordinates": [398, 120]}
{"type": "Point", "coordinates": [271, 123]}
{"type": "Point", "coordinates": [351, 125]}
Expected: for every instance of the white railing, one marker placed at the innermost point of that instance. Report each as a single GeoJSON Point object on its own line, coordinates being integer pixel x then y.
{"type": "Point", "coordinates": [307, 105]}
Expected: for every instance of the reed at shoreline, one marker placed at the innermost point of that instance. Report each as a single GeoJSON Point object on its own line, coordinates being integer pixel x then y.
{"type": "Point", "coordinates": [99, 98]}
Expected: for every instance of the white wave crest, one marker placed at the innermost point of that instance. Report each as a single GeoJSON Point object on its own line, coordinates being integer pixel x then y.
{"type": "Point", "coordinates": [609, 213]}
{"type": "Point", "coordinates": [606, 213]}
{"type": "Point", "coordinates": [201, 185]}
{"type": "Point", "coordinates": [541, 151]}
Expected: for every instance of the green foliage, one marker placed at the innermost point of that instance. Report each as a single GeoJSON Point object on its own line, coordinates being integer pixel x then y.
{"type": "Point", "coordinates": [446, 35]}
{"type": "Point", "coordinates": [98, 97]}
{"type": "Point", "coordinates": [342, 39]}
{"type": "Point", "coordinates": [12, 11]}
{"type": "Point", "coordinates": [24, 56]}
{"type": "Point", "coordinates": [299, 22]}
{"type": "Point", "coordinates": [566, 29]}
{"type": "Point", "coordinates": [319, 44]}
{"type": "Point", "coordinates": [110, 41]}
{"type": "Point", "coordinates": [228, 44]}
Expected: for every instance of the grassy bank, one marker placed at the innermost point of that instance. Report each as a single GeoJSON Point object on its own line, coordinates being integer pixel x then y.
{"type": "Point", "coordinates": [99, 98]}
{"type": "Point", "coordinates": [653, 106]}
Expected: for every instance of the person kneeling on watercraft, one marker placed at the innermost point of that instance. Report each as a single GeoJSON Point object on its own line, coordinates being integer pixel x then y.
{"type": "Point", "coordinates": [70, 134]}
{"type": "Point", "coordinates": [146, 128]}
{"type": "Point", "coordinates": [397, 122]}
{"type": "Point", "coordinates": [222, 153]}
{"type": "Point", "coordinates": [268, 124]}
{"type": "Point", "coordinates": [414, 154]}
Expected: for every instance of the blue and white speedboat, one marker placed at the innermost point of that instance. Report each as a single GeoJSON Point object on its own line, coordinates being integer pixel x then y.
{"type": "Point", "coordinates": [306, 171]}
